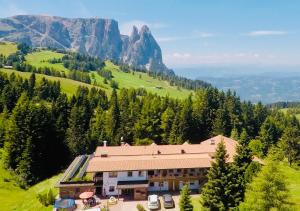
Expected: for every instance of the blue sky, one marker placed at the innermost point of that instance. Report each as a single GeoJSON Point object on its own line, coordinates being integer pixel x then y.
{"type": "Point", "coordinates": [198, 32]}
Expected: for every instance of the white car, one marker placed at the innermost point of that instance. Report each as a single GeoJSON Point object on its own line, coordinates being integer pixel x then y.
{"type": "Point", "coordinates": [153, 202]}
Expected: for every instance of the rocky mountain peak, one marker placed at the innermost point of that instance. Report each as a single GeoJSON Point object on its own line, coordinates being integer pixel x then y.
{"type": "Point", "coordinates": [94, 36]}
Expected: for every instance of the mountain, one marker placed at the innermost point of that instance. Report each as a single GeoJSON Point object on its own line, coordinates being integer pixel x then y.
{"type": "Point", "coordinates": [92, 36]}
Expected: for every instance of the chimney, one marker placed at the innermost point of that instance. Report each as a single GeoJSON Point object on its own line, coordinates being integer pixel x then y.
{"type": "Point", "coordinates": [212, 142]}
{"type": "Point", "coordinates": [104, 143]}
{"type": "Point", "coordinates": [122, 143]}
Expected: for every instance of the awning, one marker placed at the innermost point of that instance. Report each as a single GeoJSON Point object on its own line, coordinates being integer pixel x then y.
{"type": "Point", "coordinates": [132, 184]}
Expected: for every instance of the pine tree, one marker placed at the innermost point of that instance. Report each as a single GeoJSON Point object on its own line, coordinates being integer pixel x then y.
{"type": "Point", "coordinates": [268, 191]}
{"type": "Point", "coordinates": [113, 119]}
{"type": "Point", "coordinates": [217, 193]}
{"type": "Point", "coordinates": [290, 144]}
{"type": "Point", "coordinates": [167, 118]}
{"type": "Point", "coordinates": [234, 134]}
{"type": "Point", "coordinates": [185, 203]}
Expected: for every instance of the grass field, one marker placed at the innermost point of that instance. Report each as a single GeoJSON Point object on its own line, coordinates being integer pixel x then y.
{"type": "Point", "coordinates": [284, 110]}
{"type": "Point", "coordinates": [41, 58]}
{"type": "Point", "coordinates": [293, 178]}
{"type": "Point", "coordinates": [68, 86]}
{"type": "Point", "coordinates": [14, 198]}
{"type": "Point", "coordinates": [141, 80]}
{"type": "Point", "coordinates": [7, 48]}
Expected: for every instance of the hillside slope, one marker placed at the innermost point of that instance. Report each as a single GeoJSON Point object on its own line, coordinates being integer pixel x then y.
{"type": "Point", "coordinates": [131, 79]}
{"type": "Point", "coordinates": [14, 198]}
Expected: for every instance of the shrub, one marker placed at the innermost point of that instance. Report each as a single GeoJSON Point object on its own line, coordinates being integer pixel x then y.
{"type": "Point", "coordinates": [114, 84]}
{"type": "Point", "coordinates": [140, 207]}
{"type": "Point", "coordinates": [46, 199]}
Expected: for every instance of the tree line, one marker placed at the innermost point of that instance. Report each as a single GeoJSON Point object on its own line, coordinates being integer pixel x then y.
{"type": "Point", "coordinates": [42, 129]}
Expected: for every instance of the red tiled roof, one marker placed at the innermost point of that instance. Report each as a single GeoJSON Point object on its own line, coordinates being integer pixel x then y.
{"type": "Point", "coordinates": [122, 158]}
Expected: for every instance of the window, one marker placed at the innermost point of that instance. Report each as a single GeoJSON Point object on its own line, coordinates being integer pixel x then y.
{"type": "Point", "coordinates": [178, 170]}
{"type": "Point", "coordinates": [111, 188]}
{"type": "Point", "coordinates": [77, 190]}
{"type": "Point", "coordinates": [151, 184]}
{"type": "Point", "coordinates": [141, 174]}
{"type": "Point", "coordinates": [192, 170]}
{"type": "Point", "coordinates": [150, 173]}
{"type": "Point", "coordinates": [192, 182]}
{"type": "Point", "coordinates": [171, 170]}
{"type": "Point", "coordinates": [113, 174]}
{"type": "Point", "coordinates": [129, 173]}
{"type": "Point", "coordinates": [161, 184]}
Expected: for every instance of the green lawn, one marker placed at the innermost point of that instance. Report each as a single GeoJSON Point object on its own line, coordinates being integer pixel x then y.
{"type": "Point", "coordinates": [7, 48]}
{"type": "Point", "coordinates": [68, 86]}
{"type": "Point", "coordinates": [141, 80]}
{"type": "Point", "coordinates": [41, 58]}
{"type": "Point", "coordinates": [14, 198]}
{"type": "Point", "coordinates": [293, 178]}
{"type": "Point", "coordinates": [196, 204]}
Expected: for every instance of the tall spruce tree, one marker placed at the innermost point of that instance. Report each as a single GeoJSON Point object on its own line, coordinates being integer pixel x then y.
{"type": "Point", "coordinates": [217, 193]}
{"type": "Point", "coordinates": [185, 203]}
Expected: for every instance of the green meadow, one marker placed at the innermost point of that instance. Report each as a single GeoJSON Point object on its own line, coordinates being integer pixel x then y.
{"type": "Point", "coordinates": [13, 197]}
{"type": "Point", "coordinates": [7, 48]}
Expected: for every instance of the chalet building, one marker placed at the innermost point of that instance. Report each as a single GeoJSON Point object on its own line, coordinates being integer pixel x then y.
{"type": "Point", "coordinates": [136, 170]}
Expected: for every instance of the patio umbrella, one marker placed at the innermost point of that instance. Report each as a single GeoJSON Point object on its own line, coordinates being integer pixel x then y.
{"type": "Point", "coordinates": [86, 195]}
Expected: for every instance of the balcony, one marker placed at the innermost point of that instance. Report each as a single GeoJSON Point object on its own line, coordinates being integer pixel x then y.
{"type": "Point", "coordinates": [176, 175]}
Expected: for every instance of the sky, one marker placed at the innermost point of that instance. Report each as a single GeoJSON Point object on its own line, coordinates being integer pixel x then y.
{"type": "Point", "coordinates": [192, 33]}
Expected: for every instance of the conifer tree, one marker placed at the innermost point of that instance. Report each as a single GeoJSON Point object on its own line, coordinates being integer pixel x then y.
{"type": "Point", "coordinates": [217, 192]}
{"type": "Point", "coordinates": [185, 202]}
{"type": "Point", "coordinates": [268, 191]}
{"type": "Point", "coordinates": [290, 144]}
{"type": "Point", "coordinates": [113, 119]}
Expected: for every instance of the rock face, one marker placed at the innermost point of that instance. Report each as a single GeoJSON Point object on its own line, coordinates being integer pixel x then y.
{"type": "Point", "coordinates": [93, 36]}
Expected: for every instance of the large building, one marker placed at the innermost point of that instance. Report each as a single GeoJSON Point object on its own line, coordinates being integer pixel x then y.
{"type": "Point", "coordinates": [134, 171]}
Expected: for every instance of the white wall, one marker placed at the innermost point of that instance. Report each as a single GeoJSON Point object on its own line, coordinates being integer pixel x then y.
{"type": "Point", "coordinates": [122, 176]}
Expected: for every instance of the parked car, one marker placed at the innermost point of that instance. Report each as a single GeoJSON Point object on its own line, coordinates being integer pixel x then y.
{"type": "Point", "coordinates": [168, 201]}
{"type": "Point", "coordinates": [153, 202]}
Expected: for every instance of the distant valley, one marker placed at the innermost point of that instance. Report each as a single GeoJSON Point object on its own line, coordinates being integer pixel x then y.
{"type": "Point", "coordinates": [267, 85]}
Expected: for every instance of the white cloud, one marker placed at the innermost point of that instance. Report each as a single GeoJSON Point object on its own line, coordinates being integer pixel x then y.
{"type": "Point", "coordinates": [196, 35]}
{"type": "Point", "coordinates": [266, 33]}
{"type": "Point", "coordinates": [126, 27]}
{"type": "Point", "coordinates": [187, 59]}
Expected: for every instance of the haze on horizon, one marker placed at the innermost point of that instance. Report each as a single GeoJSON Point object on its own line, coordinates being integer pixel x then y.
{"type": "Point", "coordinates": [195, 33]}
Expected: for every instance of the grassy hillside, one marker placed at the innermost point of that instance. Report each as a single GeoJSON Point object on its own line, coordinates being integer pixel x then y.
{"type": "Point", "coordinates": [293, 178]}
{"type": "Point", "coordinates": [284, 110]}
{"type": "Point", "coordinates": [41, 58]}
{"type": "Point", "coordinates": [14, 198]}
{"type": "Point", "coordinates": [68, 86]}
{"type": "Point", "coordinates": [7, 48]}
{"type": "Point", "coordinates": [141, 80]}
